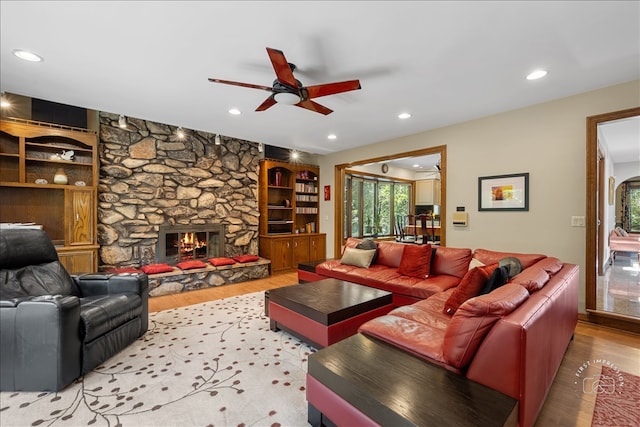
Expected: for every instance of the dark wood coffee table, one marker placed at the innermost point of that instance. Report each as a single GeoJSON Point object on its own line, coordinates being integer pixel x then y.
{"type": "Point", "coordinates": [327, 311]}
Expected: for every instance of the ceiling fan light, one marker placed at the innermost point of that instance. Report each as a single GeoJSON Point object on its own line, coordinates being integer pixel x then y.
{"type": "Point", "coordinates": [286, 98]}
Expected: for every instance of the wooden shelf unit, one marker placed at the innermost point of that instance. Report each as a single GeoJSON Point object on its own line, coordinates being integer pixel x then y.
{"type": "Point", "coordinates": [66, 212]}
{"type": "Point", "coordinates": [289, 214]}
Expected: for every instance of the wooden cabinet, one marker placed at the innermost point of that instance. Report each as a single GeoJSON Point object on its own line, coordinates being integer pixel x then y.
{"type": "Point", "coordinates": [279, 251]}
{"type": "Point", "coordinates": [287, 251]}
{"type": "Point", "coordinates": [78, 261]}
{"type": "Point", "coordinates": [301, 247]}
{"type": "Point", "coordinates": [428, 192]}
{"type": "Point", "coordinates": [317, 247]}
{"type": "Point", "coordinates": [289, 214]}
{"type": "Point", "coordinates": [80, 217]}
{"type": "Point", "coordinates": [31, 155]}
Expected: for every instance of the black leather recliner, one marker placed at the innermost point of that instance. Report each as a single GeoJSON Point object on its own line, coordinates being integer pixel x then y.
{"type": "Point", "coordinates": [55, 327]}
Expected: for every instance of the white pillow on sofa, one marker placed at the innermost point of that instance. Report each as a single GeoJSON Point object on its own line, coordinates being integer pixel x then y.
{"type": "Point", "coordinates": [622, 232]}
{"type": "Point", "coordinates": [358, 257]}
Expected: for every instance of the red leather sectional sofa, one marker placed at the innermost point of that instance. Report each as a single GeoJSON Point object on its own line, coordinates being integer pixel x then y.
{"type": "Point", "coordinates": [512, 339]}
{"type": "Point", "coordinates": [448, 267]}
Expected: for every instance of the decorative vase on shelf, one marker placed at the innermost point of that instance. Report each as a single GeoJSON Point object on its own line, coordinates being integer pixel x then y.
{"type": "Point", "coordinates": [278, 177]}
{"type": "Point", "coordinates": [60, 177]}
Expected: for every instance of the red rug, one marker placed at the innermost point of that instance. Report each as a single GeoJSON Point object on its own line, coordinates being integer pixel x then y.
{"type": "Point", "coordinates": [618, 400]}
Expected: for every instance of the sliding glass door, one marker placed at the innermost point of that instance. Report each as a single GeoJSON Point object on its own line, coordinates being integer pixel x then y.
{"type": "Point", "coordinates": [373, 205]}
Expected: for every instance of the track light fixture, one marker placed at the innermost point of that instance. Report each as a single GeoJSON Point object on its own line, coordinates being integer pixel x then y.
{"type": "Point", "coordinates": [122, 121]}
{"type": "Point", "coordinates": [217, 139]}
{"type": "Point", "coordinates": [260, 147]}
{"type": "Point", "coordinates": [4, 102]}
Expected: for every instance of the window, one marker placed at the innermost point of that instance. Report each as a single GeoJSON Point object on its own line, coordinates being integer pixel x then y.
{"type": "Point", "coordinates": [373, 205]}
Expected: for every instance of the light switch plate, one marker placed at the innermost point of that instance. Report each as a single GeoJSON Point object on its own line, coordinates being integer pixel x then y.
{"type": "Point", "coordinates": [577, 221]}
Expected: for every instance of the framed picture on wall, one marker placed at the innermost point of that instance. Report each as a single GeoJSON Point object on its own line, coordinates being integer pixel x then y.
{"type": "Point", "coordinates": [503, 192]}
{"type": "Point", "coordinates": [612, 189]}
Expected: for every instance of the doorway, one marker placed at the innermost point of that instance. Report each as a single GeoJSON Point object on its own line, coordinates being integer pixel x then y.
{"type": "Point", "coordinates": [340, 183]}
{"type": "Point", "coordinates": [596, 229]}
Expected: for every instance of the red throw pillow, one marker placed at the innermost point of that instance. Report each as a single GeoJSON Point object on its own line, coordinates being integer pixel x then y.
{"type": "Point", "coordinates": [469, 287]}
{"type": "Point", "coordinates": [187, 265]}
{"type": "Point", "coordinates": [220, 261]}
{"type": "Point", "coordinates": [156, 268]}
{"type": "Point", "coordinates": [416, 261]}
{"type": "Point", "coordinates": [246, 258]}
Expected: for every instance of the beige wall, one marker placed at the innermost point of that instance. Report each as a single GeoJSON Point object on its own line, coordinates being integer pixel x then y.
{"type": "Point", "coordinates": [547, 140]}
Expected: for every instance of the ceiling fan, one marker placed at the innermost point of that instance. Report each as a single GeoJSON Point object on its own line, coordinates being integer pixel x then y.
{"type": "Point", "coordinates": [288, 90]}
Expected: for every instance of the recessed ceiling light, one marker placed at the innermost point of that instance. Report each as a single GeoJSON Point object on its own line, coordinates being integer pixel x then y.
{"type": "Point", "coordinates": [234, 111]}
{"type": "Point", "coordinates": [27, 56]}
{"type": "Point", "coordinates": [537, 74]}
{"type": "Point", "coordinates": [416, 166]}
{"type": "Point", "coordinates": [331, 136]}
{"type": "Point", "coordinates": [404, 116]}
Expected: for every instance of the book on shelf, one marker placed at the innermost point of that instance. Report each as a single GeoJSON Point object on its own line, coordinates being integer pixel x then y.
{"type": "Point", "coordinates": [21, 225]}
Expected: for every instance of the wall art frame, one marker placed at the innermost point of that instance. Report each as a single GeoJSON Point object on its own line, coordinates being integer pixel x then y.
{"type": "Point", "coordinates": [612, 190]}
{"type": "Point", "coordinates": [503, 192]}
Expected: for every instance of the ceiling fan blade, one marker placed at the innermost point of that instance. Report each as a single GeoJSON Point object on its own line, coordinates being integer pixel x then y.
{"type": "Point", "coordinates": [314, 106]}
{"type": "Point", "coordinates": [269, 102]}
{"type": "Point", "coordinates": [249, 85]}
{"type": "Point", "coordinates": [332, 88]}
{"type": "Point", "coordinates": [282, 68]}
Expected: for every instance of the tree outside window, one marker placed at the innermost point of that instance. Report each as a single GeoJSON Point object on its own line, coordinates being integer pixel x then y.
{"type": "Point", "coordinates": [374, 205]}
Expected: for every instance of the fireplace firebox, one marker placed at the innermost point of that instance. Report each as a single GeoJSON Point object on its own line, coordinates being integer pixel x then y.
{"type": "Point", "coordinates": [189, 242]}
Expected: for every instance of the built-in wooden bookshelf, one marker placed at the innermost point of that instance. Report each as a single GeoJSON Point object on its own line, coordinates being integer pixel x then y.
{"type": "Point", "coordinates": [31, 155]}
{"type": "Point", "coordinates": [289, 214]}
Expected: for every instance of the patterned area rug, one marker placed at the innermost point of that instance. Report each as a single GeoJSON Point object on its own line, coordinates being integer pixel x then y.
{"type": "Point", "coordinates": [210, 364]}
{"type": "Point", "coordinates": [618, 400]}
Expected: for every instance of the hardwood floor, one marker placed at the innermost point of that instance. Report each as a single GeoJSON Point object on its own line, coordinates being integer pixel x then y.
{"type": "Point", "coordinates": [166, 302]}
{"type": "Point", "coordinates": [564, 406]}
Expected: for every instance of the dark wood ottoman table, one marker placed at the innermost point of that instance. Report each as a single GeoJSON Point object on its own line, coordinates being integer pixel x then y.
{"type": "Point", "coordinates": [327, 311]}
{"type": "Point", "coordinates": [361, 381]}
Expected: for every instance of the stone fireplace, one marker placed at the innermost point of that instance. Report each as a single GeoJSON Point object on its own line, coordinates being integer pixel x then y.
{"type": "Point", "coordinates": [189, 242]}
{"type": "Point", "coordinates": [151, 179]}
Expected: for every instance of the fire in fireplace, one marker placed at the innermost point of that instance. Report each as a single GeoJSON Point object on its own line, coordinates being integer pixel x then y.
{"type": "Point", "coordinates": [190, 242]}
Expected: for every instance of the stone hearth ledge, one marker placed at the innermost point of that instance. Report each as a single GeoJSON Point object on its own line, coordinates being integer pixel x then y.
{"type": "Point", "coordinates": [178, 280]}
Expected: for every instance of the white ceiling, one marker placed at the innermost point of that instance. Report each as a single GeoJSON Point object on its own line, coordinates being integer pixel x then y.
{"type": "Point", "coordinates": [444, 62]}
{"type": "Point", "coordinates": [622, 138]}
